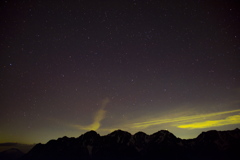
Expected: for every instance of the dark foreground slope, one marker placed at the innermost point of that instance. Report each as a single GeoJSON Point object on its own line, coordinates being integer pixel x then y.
{"type": "Point", "coordinates": [121, 145]}
{"type": "Point", "coordinates": [11, 154]}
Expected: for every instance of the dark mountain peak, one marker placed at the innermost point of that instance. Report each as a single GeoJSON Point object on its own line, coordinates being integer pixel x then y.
{"type": "Point", "coordinates": [89, 138]}
{"type": "Point", "coordinates": [119, 133]}
{"type": "Point", "coordinates": [213, 135]}
{"type": "Point", "coordinates": [38, 146]}
{"type": "Point", "coordinates": [208, 135]}
{"type": "Point", "coordinates": [164, 138]}
{"type": "Point", "coordinates": [53, 142]}
{"type": "Point", "coordinates": [162, 134]}
{"type": "Point", "coordinates": [218, 140]}
{"type": "Point", "coordinates": [140, 140]}
{"type": "Point", "coordinates": [140, 134]}
{"type": "Point", "coordinates": [122, 145]}
{"type": "Point", "coordinates": [235, 133]}
{"type": "Point", "coordinates": [63, 139]}
{"type": "Point", "coordinates": [91, 134]}
{"type": "Point", "coordinates": [119, 136]}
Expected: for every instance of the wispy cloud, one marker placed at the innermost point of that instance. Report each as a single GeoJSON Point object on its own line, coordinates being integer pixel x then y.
{"type": "Point", "coordinates": [98, 117]}
{"type": "Point", "coordinates": [214, 123]}
{"type": "Point", "coordinates": [189, 119]}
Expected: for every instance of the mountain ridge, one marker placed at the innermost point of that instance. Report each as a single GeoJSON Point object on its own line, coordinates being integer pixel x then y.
{"type": "Point", "coordinates": [121, 145]}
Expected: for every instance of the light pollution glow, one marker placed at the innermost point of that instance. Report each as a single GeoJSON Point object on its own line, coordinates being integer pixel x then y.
{"type": "Point", "coordinates": [189, 119]}
{"type": "Point", "coordinates": [185, 122]}
{"type": "Point", "coordinates": [214, 123]}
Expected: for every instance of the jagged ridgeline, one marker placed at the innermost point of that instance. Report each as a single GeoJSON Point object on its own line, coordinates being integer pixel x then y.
{"type": "Point", "coordinates": [121, 145]}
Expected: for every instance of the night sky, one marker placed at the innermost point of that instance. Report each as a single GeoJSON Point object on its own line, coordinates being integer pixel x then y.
{"type": "Point", "coordinates": [67, 67]}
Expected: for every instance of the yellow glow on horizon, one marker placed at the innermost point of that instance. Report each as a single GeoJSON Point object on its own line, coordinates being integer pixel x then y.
{"type": "Point", "coordinates": [186, 119]}
{"type": "Point", "coordinates": [214, 123]}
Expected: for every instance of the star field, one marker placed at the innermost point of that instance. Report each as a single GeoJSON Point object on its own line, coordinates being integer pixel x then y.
{"type": "Point", "coordinates": [69, 67]}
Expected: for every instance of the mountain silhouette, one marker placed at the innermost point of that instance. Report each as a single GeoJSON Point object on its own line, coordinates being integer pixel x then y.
{"type": "Point", "coordinates": [11, 154]}
{"type": "Point", "coordinates": [121, 145]}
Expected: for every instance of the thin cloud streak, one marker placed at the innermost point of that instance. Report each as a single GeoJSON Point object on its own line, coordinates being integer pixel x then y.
{"type": "Point", "coordinates": [99, 116]}
{"type": "Point", "coordinates": [215, 123]}
{"type": "Point", "coordinates": [185, 119]}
